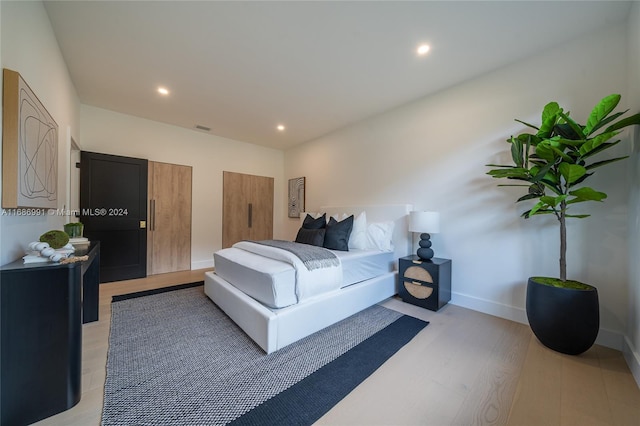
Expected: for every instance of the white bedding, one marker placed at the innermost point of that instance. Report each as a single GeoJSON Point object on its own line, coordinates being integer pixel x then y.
{"type": "Point", "coordinates": [305, 284]}
{"type": "Point", "coordinates": [277, 283]}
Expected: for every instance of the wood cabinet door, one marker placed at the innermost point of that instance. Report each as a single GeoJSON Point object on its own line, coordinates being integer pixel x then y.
{"type": "Point", "coordinates": [247, 212]}
{"type": "Point", "coordinates": [262, 208]}
{"type": "Point", "coordinates": [169, 234]}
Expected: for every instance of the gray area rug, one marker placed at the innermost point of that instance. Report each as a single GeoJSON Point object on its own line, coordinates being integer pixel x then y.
{"type": "Point", "coordinates": [176, 359]}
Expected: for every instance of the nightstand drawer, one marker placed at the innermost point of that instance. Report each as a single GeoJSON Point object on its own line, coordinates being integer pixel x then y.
{"type": "Point", "coordinates": [418, 289]}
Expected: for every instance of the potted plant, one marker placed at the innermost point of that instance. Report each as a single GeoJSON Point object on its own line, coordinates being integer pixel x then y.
{"type": "Point", "coordinates": [554, 161]}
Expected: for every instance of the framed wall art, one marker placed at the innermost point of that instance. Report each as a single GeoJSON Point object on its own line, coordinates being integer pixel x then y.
{"type": "Point", "coordinates": [29, 147]}
{"type": "Point", "coordinates": [296, 196]}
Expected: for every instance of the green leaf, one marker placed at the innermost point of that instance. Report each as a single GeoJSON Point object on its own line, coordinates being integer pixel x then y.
{"type": "Point", "coordinates": [600, 111]}
{"type": "Point", "coordinates": [529, 213]}
{"type": "Point", "coordinates": [537, 207]}
{"type": "Point", "coordinates": [571, 142]}
{"type": "Point", "coordinates": [548, 200]}
{"type": "Point", "coordinates": [629, 121]}
{"type": "Point", "coordinates": [528, 197]}
{"type": "Point", "coordinates": [608, 120]}
{"type": "Point", "coordinates": [602, 163]}
{"type": "Point", "coordinates": [537, 161]}
{"type": "Point", "coordinates": [549, 118]}
{"type": "Point", "coordinates": [544, 151]}
{"type": "Point", "coordinates": [509, 173]}
{"type": "Point", "coordinates": [578, 216]}
{"type": "Point", "coordinates": [573, 132]}
{"type": "Point", "coordinates": [553, 201]}
{"type": "Point", "coordinates": [540, 173]}
{"type": "Point", "coordinates": [594, 143]}
{"type": "Point", "coordinates": [582, 179]}
{"type": "Point", "coordinates": [586, 194]}
{"type": "Point", "coordinates": [561, 153]}
{"type": "Point", "coordinates": [517, 153]}
{"type": "Point", "coordinates": [571, 172]}
{"type": "Point", "coordinates": [552, 186]}
{"type": "Point", "coordinates": [599, 149]}
{"type": "Point", "coordinates": [526, 124]}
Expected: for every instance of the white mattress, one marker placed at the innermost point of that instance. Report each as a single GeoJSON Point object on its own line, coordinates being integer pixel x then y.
{"type": "Point", "coordinates": [272, 282]}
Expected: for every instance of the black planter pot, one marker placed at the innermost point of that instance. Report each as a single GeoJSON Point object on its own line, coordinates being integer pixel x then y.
{"type": "Point", "coordinates": [564, 319]}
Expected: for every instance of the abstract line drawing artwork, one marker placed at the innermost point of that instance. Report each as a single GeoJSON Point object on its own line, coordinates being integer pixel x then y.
{"type": "Point", "coordinates": [30, 144]}
{"type": "Point", "coordinates": [296, 196]}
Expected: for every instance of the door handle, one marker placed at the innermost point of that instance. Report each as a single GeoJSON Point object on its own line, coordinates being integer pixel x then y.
{"type": "Point", "coordinates": [152, 215]}
{"type": "Point", "coordinates": [250, 218]}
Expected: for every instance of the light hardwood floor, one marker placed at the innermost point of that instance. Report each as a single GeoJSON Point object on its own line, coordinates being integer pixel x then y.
{"type": "Point", "coordinates": [465, 368]}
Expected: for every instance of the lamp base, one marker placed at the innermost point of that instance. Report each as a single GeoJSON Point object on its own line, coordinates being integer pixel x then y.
{"type": "Point", "coordinates": [425, 252]}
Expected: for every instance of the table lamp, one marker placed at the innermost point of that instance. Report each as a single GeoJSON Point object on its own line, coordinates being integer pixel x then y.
{"type": "Point", "coordinates": [425, 223]}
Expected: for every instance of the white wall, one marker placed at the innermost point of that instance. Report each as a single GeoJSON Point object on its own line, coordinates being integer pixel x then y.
{"type": "Point", "coordinates": [114, 133]}
{"type": "Point", "coordinates": [432, 154]}
{"type": "Point", "coordinates": [29, 47]}
{"type": "Point", "coordinates": [632, 342]}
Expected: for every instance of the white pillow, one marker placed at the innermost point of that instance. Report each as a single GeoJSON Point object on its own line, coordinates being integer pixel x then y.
{"type": "Point", "coordinates": [358, 237]}
{"type": "Point", "coordinates": [380, 235]}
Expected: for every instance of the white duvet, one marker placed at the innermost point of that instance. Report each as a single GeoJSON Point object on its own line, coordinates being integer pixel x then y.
{"type": "Point", "coordinates": [308, 283]}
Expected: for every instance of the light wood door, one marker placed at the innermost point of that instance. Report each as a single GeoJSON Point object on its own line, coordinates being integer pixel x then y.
{"type": "Point", "coordinates": [169, 235]}
{"type": "Point", "coordinates": [247, 212]}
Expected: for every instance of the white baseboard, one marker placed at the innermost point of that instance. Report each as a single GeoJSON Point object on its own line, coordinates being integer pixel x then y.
{"type": "Point", "coordinates": [490, 307]}
{"type": "Point", "coordinates": [608, 338]}
{"type": "Point", "coordinates": [202, 264]}
{"type": "Point", "coordinates": [632, 356]}
{"type": "Point", "coordinates": [611, 339]}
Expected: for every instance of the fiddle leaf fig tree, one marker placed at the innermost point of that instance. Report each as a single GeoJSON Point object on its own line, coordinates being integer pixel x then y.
{"type": "Point", "coordinates": [558, 156]}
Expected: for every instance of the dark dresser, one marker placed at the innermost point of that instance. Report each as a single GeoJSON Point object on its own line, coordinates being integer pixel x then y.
{"type": "Point", "coordinates": [42, 307]}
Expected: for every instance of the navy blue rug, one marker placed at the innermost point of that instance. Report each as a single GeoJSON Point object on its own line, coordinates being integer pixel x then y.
{"type": "Point", "coordinates": [175, 358]}
{"type": "Point", "coordinates": [309, 399]}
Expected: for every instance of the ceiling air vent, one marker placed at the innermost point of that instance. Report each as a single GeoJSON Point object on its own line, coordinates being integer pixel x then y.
{"type": "Point", "coordinates": [204, 128]}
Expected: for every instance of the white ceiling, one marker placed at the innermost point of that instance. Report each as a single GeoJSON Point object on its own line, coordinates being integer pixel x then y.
{"type": "Point", "coordinates": [241, 68]}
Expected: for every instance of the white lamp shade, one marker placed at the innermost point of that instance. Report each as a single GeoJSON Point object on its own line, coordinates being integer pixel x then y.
{"type": "Point", "coordinates": [424, 222]}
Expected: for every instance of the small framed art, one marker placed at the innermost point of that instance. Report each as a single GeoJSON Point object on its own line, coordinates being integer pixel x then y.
{"type": "Point", "coordinates": [296, 196]}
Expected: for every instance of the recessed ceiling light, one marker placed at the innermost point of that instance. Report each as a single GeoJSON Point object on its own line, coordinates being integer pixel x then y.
{"type": "Point", "coordinates": [163, 91]}
{"type": "Point", "coordinates": [423, 49]}
{"type": "Point", "coordinates": [280, 128]}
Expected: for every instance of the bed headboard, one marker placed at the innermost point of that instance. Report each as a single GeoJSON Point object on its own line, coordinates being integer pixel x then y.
{"type": "Point", "coordinates": [398, 213]}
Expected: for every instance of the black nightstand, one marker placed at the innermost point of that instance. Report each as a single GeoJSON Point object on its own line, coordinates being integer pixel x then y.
{"type": "Point", "coordinates": [425, 283]}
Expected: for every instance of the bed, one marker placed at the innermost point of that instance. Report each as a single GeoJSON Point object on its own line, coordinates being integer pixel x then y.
{"type": "Point", "coordinates": [261, 294]}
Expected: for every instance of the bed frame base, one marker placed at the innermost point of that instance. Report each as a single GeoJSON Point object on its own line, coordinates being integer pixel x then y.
{"type": "Point", "coordinates": [273, 329]}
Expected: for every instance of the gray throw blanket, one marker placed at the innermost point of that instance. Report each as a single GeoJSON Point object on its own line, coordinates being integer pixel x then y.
{"type": "Point", "coordinates": [312, 257]}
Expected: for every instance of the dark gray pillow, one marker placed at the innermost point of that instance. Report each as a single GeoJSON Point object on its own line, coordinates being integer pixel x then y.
{"type": "Point", "coordinates": [315, 237]}
{"type": "Point", "coordinates": [311, 223]}
{"type": "Point", "coordinates": [337, 235]}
